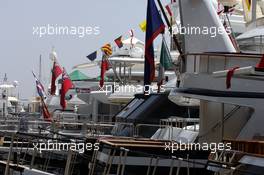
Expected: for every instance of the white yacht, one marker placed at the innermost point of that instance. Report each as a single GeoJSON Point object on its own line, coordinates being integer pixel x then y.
{"type": "Point", "coordinates": [9, 102]}
{"type": "Point", "coordinates": [229, 86]}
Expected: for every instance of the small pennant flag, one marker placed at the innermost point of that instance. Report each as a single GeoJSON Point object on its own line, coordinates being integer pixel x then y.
{"type": "Point", "coordinates": [92, 56]}
{"type": "Point", "coordinates": [118, 42]}
{"type": "Point", "coordinates": [143, 26]}
{"type": "Point", "coordinates": [107, 50]}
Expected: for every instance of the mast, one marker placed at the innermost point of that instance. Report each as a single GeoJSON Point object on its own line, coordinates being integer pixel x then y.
{"type": "Point", "coordinates": [5, 78]}
{"type": "Point", "coordinates": [173, 36]}
{"type": "Point", "coordinates": [40, 68]}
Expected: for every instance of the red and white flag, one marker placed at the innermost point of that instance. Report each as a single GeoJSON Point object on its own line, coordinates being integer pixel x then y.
{"type": "Point", "coordinates": [66, 84]}
{"type": "Point", "coordinates": [56, 72]}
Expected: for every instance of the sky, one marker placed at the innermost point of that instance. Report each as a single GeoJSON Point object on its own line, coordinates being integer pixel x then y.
{"type": "Point", "coordinates": [20, 46]}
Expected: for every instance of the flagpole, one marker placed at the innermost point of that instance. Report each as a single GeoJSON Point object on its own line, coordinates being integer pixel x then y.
{"type": "Point", "coordinates": [170, 30]}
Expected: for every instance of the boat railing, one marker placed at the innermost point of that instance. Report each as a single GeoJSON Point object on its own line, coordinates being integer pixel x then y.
{"type": "Point", "coordinates": [247, 146]}
{"type": "Point", "coordinates": [239, 148]}
{"type": "Point", "coordinates": [70, 116]}
{"type": "Point", "coordinates": [85, 127]}
{"type": "Point", "coordinates": [180, 122]}
{"type": "Point", "coordinates": [210, 62]}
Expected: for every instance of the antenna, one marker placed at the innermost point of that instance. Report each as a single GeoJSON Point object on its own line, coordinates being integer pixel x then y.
{"type": "Point", "coordinates": [5, 78]}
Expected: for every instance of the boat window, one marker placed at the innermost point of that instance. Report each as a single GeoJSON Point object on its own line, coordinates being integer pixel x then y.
{"type": "Point", "coordinates": [130, 108]}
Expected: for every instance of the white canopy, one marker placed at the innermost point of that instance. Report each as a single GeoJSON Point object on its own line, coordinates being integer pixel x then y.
{"type": "Point", "coordinates": [135, 41]}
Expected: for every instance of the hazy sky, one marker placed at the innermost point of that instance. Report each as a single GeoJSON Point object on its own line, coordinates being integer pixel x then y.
{"type": "Point", "coordinates": [20, 49]}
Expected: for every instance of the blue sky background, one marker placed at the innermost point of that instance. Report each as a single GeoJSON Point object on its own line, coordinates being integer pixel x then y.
{"type": "Point", "coordinates": [20, 49]}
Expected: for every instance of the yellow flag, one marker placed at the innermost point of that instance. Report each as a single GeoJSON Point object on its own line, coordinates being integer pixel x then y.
{"type": "Point", "coordinates": [143, 25]}
{"type": "Point", "coordinates": [107, 49]}
{"type": "Point", "coordinates": [248, 3]}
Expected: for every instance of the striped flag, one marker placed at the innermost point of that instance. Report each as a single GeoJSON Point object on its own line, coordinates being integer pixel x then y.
{"type": "Point", "coordinates": [41, 92]}
{"type": "Point", "coordinates": [40, 87]}
{"type": "Point", "coordinates": [155, 26]}
{"type": "Point", "coordinates": [107, 50]}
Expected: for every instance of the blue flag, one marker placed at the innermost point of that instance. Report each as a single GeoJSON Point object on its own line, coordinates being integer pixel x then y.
{"type": "Point", "coordinates": [92, 56]}
{"type": "Point", "coordinates": [155, 26]}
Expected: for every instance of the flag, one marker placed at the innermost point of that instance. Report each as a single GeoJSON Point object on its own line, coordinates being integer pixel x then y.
{"type": "Point", "coordinates": [261, 63]}
{"type": "Point", "coordinates": [107, 50]}
{"type": "Point", "coordinates": [41, 92]}
{"type": "Point", "coordinates": [247, 7]}
{"type": "Point", "coordinates": [92, 56]}
{"type": "Point", "coordinates": [143, 26]}
{"type": "Point", "coordinates": [155, 26]}
{"type": "Point", "coordinates": [248, 4]}
{"type": "Point", "coordinates": [229, 76]}
{"type": "Point", "coordinates": [40, 87]}
{"type": "Point", "coordinates": [169, 10]}
{"type": "Point", "coordinates": [165, 61]}
{"type": "Point", "coordinates": [45, 111]}
{"type": "Point", "coordinates": [65, 86]}
{"type": "Point", "coordinates": [119, 42]}
{"type": "Point", "coordinates": [171, 13]}
{"type": "Point", "coordinates": [104, 68]}
{"type": "Point", "coordinates": [56, 71]}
